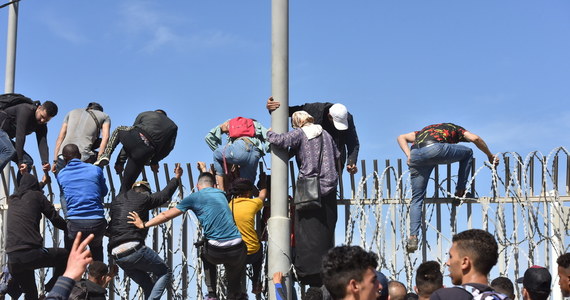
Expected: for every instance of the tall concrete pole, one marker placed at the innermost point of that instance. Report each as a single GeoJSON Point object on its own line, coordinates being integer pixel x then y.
{"type": "Point", "coordinates": [8, 88]}
{"type": "Point", "coordinates": [279, 224]}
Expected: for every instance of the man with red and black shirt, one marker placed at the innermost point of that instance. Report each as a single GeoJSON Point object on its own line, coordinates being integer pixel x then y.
{"type": "Point", "coordinates": [433, 145]}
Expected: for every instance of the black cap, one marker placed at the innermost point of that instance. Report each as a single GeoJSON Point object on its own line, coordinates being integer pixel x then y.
{"type": "Point", "coordinates": [536, 279]}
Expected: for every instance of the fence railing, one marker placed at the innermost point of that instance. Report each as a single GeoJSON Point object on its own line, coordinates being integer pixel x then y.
{"type": "Point", "coordinates": [523, 202]}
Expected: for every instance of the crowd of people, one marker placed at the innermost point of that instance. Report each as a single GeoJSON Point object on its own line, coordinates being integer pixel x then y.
{"type": "Point", "coordinates": [323, 141]}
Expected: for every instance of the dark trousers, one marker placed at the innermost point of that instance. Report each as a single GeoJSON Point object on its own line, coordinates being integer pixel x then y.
{"type": "Point", "coordinates": [23, 263]}
{"type": "Point", "coordinates": [87, 226]}
{"type": "Point", "coordinates": [139, 153]}
{"type": "Point", "coordinates": [233, 259]}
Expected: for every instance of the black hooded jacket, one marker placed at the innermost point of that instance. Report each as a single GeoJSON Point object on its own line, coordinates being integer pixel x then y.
{"type": "Point", "coordinates": [120, 231]}
{"type": "Point", "coordinates": [25, 209]}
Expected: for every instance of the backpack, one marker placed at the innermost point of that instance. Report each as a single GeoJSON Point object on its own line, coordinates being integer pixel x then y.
{"type": "Point", "coordinates": [79, 291]}
{"type": "Point", "coordinates": [483, 295]}
{"type": "Point", "coordinates": [240, 127]}
{"type": "Point", "coordinates": [8, 100]}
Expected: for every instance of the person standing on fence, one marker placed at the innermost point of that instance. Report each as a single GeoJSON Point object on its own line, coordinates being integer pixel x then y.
{"type": "Point", "coordinates": [314, 226]}
{"type": "Point", "coordinates": [24, 242]}
{"type": "Point", "coordinates": [148, 141]}
{"type": "Point", "coordinates": [337, 121]}
{"type": "Point", "coordinates": [244, 209]}
{"type": "Point", "coordinates": [18, 119]}
{"type": "Point", "coordinates": [472, 255]}
{"type": "Point", "coordinates": [433, 145]}
{"type": "Point", "coordinates": [126, 242]}
{"type": "Point", "coordinates": [223, 243]}
{"type": "Point", "coordinates": [82, 127]}
{"type": "Point", "coordinates": [245, 146]}
{"type": "Point", "coordinates": [84, 188]}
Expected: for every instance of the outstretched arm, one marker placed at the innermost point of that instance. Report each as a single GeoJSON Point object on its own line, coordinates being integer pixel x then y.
{"type": "Point", "coordinates": [480, 143]}
{"type": "Point", "coordinates": [163, 217]}
{"type": "Point", "coordinates": [60, 137]}
{"type": "Point", "coordinates": [403, 141]}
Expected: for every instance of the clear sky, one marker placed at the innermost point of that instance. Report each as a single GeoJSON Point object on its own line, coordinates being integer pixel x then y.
{"type": "Point", "coordinates": [498, 68]}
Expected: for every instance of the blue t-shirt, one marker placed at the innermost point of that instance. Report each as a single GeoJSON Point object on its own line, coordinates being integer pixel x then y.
{"type": "Point", "coordinates": [213, 212]}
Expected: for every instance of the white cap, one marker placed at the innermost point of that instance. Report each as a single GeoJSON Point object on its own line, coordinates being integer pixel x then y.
{"type": "Point", "coordinates": [339, 114]}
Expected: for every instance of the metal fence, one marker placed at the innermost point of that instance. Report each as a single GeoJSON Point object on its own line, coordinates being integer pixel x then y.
{"type": "Point", "coordinates": [523, 202]}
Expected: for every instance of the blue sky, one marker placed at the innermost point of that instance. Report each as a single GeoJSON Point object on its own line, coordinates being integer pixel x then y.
{"type": "Point", "coordinates": [498, 68]}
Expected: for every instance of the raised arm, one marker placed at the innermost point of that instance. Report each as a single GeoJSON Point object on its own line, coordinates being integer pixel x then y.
{"type": "Point", "coordinates": [105, 133]}
{"type": "Point", "coordinates": [163, 217]}
{"type": "Point", "coordinates": [60, 137]}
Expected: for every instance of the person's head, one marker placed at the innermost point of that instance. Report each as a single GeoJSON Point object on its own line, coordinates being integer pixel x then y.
{"type": "Point", "coordinates": [536, 283]}
{"type": "Point", "coordinates": [45, 112]}
{"type": "Point", "coordinates": [97, 271]}
{"type": "Point", "coordinates": [141, 187]}
{"type": "Point", "coordinates": [161, 111]}
{"type": "Point", "coordinates": [504, 286]}
{"type": "Point", "coordinates": [396, 290]}
{"type": "Point", "coordinates": [473, 252]}
{"type": "Point", "coordinates": [338, 114]}
{"type": "Point", "coordinates": [411, 296]}
{"type": "Point", "coordinates": [428, 278]}
{"type": "Point", "coordinates": [242, 188]}
{"type": "Point", "coordinates": [348, 272]}
{"type": "Point", "coordinates": [301, 118]}
{"type": "Point", "coordinates": [313, 293]}
{"type": "Point", "coordinates": [563, 262]}
{"type": "Point", "coordinates": [94, 106]}
{"type": "Point", "coordinates": [70, 151]}
{"type": "Point", "coordinates": [206, 180]}
{"type": "Point", "coordinates": [383, 280]}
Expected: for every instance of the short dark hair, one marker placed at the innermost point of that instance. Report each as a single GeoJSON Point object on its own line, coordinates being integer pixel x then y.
{"type": "Point", "coordinates": [50, 107]}
{"type": "Point", "coordinates": [206, 178]}
{"type": "Point", "coordinates": [313, 293]}
{"type": "Point", "coordinates": [344, 263]}
{"type": "Point", "coordinates": [70, 151]}
{"type": "Point", "coordinates": [428, 278]}
{"type": "Point", "coordinates": [504, 285]}
{"type": "Point", "coordinates": [564, 260]}
{"type": "Point", "coordinates": [98, 269]}
{"type": "Point", "coordinates": [534, 295]}
{"type": "Point", "coordinates": [411, 296]}
{"type": "Point", "coordinates": [480, 246]}
{"type": "Point", "coordinates": [240, 187]}
{"type": "Point", "coordinates": [95, 106]}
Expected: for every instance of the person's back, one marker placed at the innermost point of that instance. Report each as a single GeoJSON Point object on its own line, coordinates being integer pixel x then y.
{"type": "Point", "coordinates": [82, 128]}
{"type": "Point", "coordinates": [160, 129]}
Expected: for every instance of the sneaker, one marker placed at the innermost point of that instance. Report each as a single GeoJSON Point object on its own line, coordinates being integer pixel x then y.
{"type": "Point", "coordinates": [102, 161]}
{"type": "Point", "coordinates": [412, 244]}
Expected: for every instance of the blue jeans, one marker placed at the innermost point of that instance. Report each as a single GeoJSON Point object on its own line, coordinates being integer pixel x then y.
{"type": "Point", "coordinates": [422, 162]}
{"type": "Point", "coordinates": [240, 153]}
{"type": "Point", "coordinates": [137, 266]}
{"type": "Point", "coordinates": [87, 226]}
{"type": "Point", "coordinates": [8, 153]}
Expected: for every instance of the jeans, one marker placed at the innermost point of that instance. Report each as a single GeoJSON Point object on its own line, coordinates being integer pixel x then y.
{"type": "Point", "coordinates": [233, 259]}
{"type": "Point", "coordinates": [8, 153]}
{"type": "Point", "coordinates": [23, 263]}
{"type": "Point", "coordinates": [87, 227]}
{"type": "Point", "coordinates": [422, 162]}
{"type": "Point", "coordinates": [137, 266]}
{"type": "Point", "coordinates": [241, 153]}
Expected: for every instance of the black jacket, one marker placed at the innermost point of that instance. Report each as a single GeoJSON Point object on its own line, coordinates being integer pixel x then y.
{"type": "Point", "coordinates": [20, 120]}
{"type": "Point", "coordinates": [346, 140]}
{"type": "Point", "coordinates": [160, 130]}
{"type": "Point", "coordinates": [119, 230]}
{"type": "Point", "coordinates": [25, 209]}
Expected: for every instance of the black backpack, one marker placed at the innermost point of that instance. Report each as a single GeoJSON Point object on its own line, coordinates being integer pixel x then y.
{"type": "Point", "coordinates": [8, 100]}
